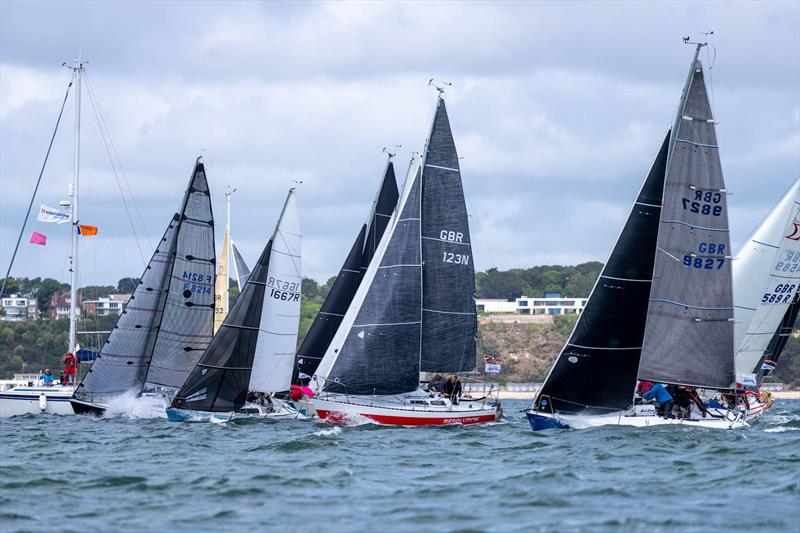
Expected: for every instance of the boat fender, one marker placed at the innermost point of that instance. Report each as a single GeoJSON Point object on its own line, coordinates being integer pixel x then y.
{"type": "Point", "coordinates": [42, 402]}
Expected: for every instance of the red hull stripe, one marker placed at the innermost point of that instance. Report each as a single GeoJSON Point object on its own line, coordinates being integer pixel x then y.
{"type": "Point", "coordinates": [411, 420]}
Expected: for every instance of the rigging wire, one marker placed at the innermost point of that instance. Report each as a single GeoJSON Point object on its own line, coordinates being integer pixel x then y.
{"type": "Point", "coordinates": [106, 137]}
{"type": "Point", "coordinates": [483, 232]}
{"type": "Point", "coordinates": [36, 188]}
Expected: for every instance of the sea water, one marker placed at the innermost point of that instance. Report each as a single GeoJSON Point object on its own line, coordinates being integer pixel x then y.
{"type": "Point", "coordinates": [80, 473]}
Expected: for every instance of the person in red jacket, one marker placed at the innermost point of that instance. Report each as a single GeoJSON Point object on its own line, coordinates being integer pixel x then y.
{"type": "Point", "coordinates": [70, 366]}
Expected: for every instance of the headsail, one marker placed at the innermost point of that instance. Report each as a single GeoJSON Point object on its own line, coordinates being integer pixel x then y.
{"type": "Point", "coordinates": [121, 365]}
{"type": "Point", "coordinates": [449, 320]}
{"type": "Point", "coordinates": [221, 286]}
{"type": "Point", "coordinates": [597, 367]}
{"type": "Point", "coordinates": [349, 278]}
{"type": "Point", "coordinates": [242, 272]}
{"type": "Point", "coordinates": [186, 326]}
{"type": "Point", "coordinates": [766, 274]}
{"type": "Point", "coordinates": [689, 332]}
{"type": "Point", "coordinates": [280, 316]}
{"type": "Point", "coordinates": [376, 348]}
{"type": "Point", "coordinates": [221, 379]}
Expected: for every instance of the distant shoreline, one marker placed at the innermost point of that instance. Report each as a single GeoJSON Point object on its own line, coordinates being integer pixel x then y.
{"type": "Point", "coordinates": [514, 395]}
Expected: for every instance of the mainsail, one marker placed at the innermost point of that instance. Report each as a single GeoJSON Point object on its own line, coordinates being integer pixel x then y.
{"type": "Point", "coordinates": [383, 341]}
{"type": "Point", "coordinates": [186, 325]}
{"type": "Point", "coordinates": [597, 368]}
{"type": "Point", "coordinates": [778, 342]}
{"type": "Point", "coordinates": [221, 286]}
{"type": "Point", "coordinates": [449, 320]}
{"type": "Point", "coordinates": [122, 364]}
{"type": "Point", "coordinates": [242, 272]}
{"type": "Point", "coordinates": [688, 337]}
{"type": "Point", "coordinates": [766, 274]}
{"type": "Point", "coordinates": [349, 278]}
{"type": "Point", "coordinates": [249, 351]}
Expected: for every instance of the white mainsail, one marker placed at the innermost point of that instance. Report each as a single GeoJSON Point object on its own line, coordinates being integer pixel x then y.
{"type": "Point", "coordinates": [221, 292]}
{"type": "Point", "coordinates": [280, 314]}
{"type": "Point", "coordinates": [766, 275]}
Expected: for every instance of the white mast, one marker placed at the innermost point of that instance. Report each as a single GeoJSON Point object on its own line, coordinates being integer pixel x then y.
{"type": "Point", "coordinates": [228, 193]}
{"type": "Point", "coordinates": [73, 304]}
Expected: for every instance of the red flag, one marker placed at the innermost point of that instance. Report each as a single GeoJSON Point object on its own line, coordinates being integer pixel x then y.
{"type": "Point", "coordinates": [38, 238]}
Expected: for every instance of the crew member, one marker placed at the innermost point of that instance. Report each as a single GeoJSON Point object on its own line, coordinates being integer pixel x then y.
{"type": "Point", "coordinates": [436, 384]}
{"type": "Point", "coordinates": [47, 378]}
{"type": "Point", "coordinates": [70, 365]}
{"type": "Point", "coordinates": [663, 399]}
{"type": "Point", "coordinates": [452, 389]}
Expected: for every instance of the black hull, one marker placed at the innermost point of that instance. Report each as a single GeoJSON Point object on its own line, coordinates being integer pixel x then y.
{"type": "Point", "coordinates": [82, 408]}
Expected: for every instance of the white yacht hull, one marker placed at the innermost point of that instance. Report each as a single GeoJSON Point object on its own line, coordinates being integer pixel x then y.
{"type": "Point", "coordinates": [403, 410]}
{"type": "Point", "coordinates": [639, 416]}
{"type": "Point", "coordinates": [22, 400]}
{"type": "Point", "coordinates": [280, 410]}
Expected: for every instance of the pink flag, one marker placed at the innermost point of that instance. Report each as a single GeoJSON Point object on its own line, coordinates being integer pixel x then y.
{"type": "Point", "coordinates": [38, 238]}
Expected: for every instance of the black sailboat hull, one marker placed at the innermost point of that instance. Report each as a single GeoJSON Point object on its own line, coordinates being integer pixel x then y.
{"type": "Point", "coordinates": [86, 408]}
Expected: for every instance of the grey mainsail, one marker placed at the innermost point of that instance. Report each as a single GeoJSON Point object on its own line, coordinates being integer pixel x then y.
{"type": "Point", "coordinates": [242, 272]}
{"type": "Point", "coordinates": [186, 326]}
{"type": "Point", "coordinates": [121, 365]}
{"type": "Point", "coordinates": [449, 320]}
{"type": "Point", "coordinates": [597, 368]}
{"type": "Point", "coordinates": [689, 333]}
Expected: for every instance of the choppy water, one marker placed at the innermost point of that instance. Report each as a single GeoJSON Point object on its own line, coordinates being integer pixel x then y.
{"type": "Point", "coordinates": [119, 474]}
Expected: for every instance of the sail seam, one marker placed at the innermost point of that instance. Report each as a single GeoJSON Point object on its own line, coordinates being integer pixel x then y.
{"type": "Point", "coordinates": [441, 167]}
{"type": "Point", "coordinates": [627, 279]}
{"type": "Point", "coordinates": [400, 265]}
{"type": "Point", "coordinates": [446, 241]}
{"type": "Point", "coordinates": [692, 306]}
{"type": "Point", "coordinates": [649, 205]}
{"type": "Point", "coordinates": [692, 225]}
{"type": "Point", "coordinates": [387, 324]}
{"type": "Point", "coordinates": [604, 348]}
{"type": "Point", "coordinates": [331, 314]}
{"type": "Point", "coordinates": [447, 312]}
{"type": "Point", "coordinates": [765, 244]}
{"type": "Point", "coordinates": [696, 144]}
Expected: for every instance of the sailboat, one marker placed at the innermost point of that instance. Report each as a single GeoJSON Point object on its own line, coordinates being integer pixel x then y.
{"type": "Point", "coordinates": [414, 310]}
{"type": "Point", "coordinates": [779, 339]}
{"type": "Point", "coordinates": [766, 280]}
{"type": "Point", "coordinates": [344, 288]}
{"type": "Point", "coordinates": [167, 323]}
{"type": "Point", "coordinates": [252, 354]}
{"type": "Point", "coordinates": [661, 309]}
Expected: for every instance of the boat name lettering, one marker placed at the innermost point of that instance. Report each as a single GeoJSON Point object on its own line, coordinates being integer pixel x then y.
{"type": "Point", "coordinates": [465, 420]}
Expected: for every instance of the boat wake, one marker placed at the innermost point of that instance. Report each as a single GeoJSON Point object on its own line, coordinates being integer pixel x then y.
{"type": "Point", "coordinates": [348, 420]}
{"type": "Point", "coordinates": [130, 406]}
{"type": "Point", "coordinates": [328, 432]}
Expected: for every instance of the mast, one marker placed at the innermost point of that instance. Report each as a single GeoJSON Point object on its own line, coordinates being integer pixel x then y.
{"type": "Point", "coordinates": [684, 97]}
{"type": "Point", "coordinates": [73, 304]}
{"type": "Point", "coordinates": [228, 192]}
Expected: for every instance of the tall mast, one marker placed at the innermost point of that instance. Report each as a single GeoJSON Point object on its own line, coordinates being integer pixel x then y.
{"type": "Point", "coordinates": [228, 193]}
{"type": "Point", "coordinates": [684, 96]}
{"type": "Point", "coordinates": [73, 304]}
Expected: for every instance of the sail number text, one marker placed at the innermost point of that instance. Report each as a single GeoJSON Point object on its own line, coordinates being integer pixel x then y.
{"type": "Point", "coordinates": [196, 283]}
{"type": "Point", "coordinates": [704, 203]}
{"type": "Point", "coordinates": [781, 295]}
{"type": "Point", "coordinates": [450, 257]}
{"type": "Point", "coordinates": [708, 263]}
{"type": "Point", "coordinates": [791, 262]}
{"type": "Point", "coordinates": [286, 291]}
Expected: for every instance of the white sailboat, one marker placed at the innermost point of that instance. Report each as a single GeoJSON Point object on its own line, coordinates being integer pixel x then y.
{"type": "Point", "coordinates": [252, 355]}
{"type": "Point", "coordinates": [670, 275]}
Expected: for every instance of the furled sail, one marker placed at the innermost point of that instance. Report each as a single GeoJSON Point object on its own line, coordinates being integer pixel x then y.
{"type": "Point", "coordinates": [376, 348]}
{"type": "Point", "coordinates": [449, 320]}
{"type": "Point", "coordinates": [242, 272]}
{"type": "Point", "coordinates": [689, 332]}
{"type": "Point", "coordinates": [778, 342]}
{"type": "Point", "coordinates": [597, 368]}
{"type": "Point", "coordinates": [221, 296]}
{"type": "Point", "coordinates": [349, 278]}
{"type": "Point", "coordinates": [220, 381]}
{"type": "Point", "coordinates": [186, 325]}
{"type": "Point", "coordinates": [766, 274]}
{"type": "Point", "coordinates": [123, 362]}
{"type": "Point", "coordinates": [280, 316]}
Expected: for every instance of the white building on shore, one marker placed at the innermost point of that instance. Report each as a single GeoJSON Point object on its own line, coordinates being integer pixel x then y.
{"type": "Point", "coordinates": [551, 304]}
{"type": "Point", "coordinates": [17, 308]}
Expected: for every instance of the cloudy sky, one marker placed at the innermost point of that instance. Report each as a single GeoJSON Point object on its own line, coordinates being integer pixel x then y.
{"type": "Point", "coordinates": [557, 110]}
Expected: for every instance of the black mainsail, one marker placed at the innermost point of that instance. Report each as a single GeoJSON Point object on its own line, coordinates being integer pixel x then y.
{"type": "Point", "coordinates": [689, 332]}
{"type": "Point", "coordinates": [242, 271]}
{"type": "Point", "coordinates": [778, 342]}
{"type": "Point", "coordinates": [330, 315]}
{"type": "Point", "coordinates": [122, 364]}
{"type": "Point", "coordinates": [597, 368]}
{"type": "Point", "coordinates": [449, 320]}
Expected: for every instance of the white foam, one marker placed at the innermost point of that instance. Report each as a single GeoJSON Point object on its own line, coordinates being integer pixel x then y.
{"type": "Point", "coordinates": [132, 406]}
{"type": "Point", "coordinates": [329, 432]}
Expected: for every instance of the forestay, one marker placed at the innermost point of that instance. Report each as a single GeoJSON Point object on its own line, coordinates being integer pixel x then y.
{"type": "Point", "coordinates": [280, 315]}
{"type": "Point", "coordinates": [186, 326]}
{"type": "Point", "coordinates": [449, 320]}
{"type": "Point", "coordinates": [766, 275]}
{"type": "Point", "coordinates": [689, 332]}
{"type": "Point", "coordinates": [597, 368]}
